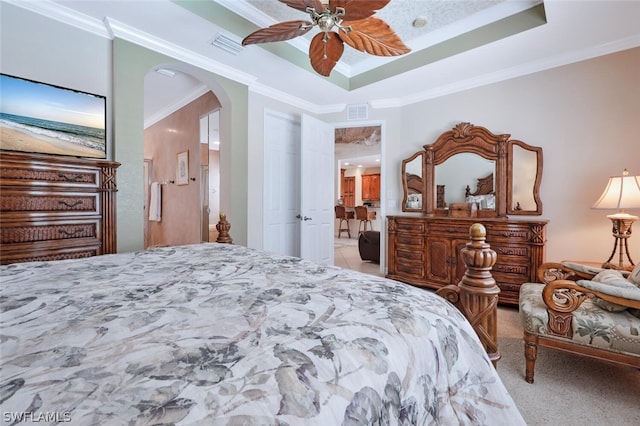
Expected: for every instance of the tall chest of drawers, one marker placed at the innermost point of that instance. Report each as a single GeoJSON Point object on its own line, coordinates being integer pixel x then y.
{"type": "Point", "coordinates": [424, 251]}
{"type": "Point", "coordinates": [55, 207]}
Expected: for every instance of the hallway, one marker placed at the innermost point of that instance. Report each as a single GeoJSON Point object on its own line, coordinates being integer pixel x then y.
{"type": "Point", "coordinates": [347, 256]}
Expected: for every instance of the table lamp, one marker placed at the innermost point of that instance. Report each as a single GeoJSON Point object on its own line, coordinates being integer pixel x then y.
{"type": "Point", "coordinates": [621, 193]}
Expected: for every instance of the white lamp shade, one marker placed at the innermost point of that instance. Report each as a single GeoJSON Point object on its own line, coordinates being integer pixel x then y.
{"type": "Point", "coordinates": [622, 192]}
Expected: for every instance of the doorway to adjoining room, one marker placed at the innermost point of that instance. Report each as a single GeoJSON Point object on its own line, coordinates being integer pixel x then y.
{"type": "Point", "coordinates": [358, 186]}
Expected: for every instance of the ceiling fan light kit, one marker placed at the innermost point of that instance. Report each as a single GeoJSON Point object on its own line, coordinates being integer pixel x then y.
{"type": "Point", "coordinates": [354, 25]}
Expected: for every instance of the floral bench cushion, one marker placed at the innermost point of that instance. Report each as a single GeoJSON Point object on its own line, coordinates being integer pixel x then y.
{"type": "Point", "coordinates": [591, 325]}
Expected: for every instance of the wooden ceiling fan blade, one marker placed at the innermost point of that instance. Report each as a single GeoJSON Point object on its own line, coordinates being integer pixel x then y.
{"type": "Point", "coordinates": [324, 55]}
{"type": "Point", "coordinates": [374, 36]}
{"type": "Point", "coordinates": [358, 9]}
{"type": "Point", "coordinates": [302, 5]}
{"type": "Point", "coordinates": [278, 32]}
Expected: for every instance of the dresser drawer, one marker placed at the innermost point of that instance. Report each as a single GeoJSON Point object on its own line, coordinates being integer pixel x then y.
{"type": "Point", "coordinates": [43, 251]}
{"type": "Point", "coordinates": [518, 274]}
{"type": "Point", "coordinates": [49, 231]}
{"type": "Point", "coordinates": [409, 227]}
{"type": "Point", "coordinates": [30, 175]}
{"type": "Point", "coordinates": [450, 230]}
{"type": "Point", "coordinates": [411, 254]}
{"type": "Point", "coordinates": [19, 202]}
{"type": "Point", "coordinates": [504, 232]}
{"type": "Point", "coordinates": [410, 269]}
{"type": "Point", "coordinates": [411, 241]}
{"type": "Point", "coordinates": [513, 251]}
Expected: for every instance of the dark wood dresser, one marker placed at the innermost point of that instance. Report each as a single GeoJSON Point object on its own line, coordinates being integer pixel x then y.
{"type": "Point", "coordinates": [425, 251]}
{"type": "Point", "coordinates": [56, 207]}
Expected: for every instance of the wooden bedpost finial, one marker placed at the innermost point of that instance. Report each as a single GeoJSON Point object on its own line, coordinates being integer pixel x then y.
{"type": "Point", "coordinates": [223, 230]}
{"type": "Point", "coordinates": [476, 295]}
{"type": "Point", "coordinates": [479, 291]}
{"type": "Point", "coordinates": [477, 232]}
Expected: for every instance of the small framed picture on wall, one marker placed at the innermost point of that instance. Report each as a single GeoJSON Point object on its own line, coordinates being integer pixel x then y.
{"type": "Point", "coordinates": [182, 168]}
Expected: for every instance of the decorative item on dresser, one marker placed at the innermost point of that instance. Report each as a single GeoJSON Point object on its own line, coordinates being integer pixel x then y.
{"type": "Point", "coordinates": [425, 250]}
{"type": "Point", "coordinates": [56, 207]}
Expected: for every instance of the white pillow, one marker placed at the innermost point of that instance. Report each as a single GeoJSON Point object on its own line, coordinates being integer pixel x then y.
{"type": "Point", "coordinates": [612, 282]}
{"type": "Point", "coordinates": [611, 276]}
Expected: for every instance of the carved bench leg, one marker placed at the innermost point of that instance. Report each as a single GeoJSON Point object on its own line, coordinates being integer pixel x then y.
{"type": "Point", "coordinates": [530, 354]}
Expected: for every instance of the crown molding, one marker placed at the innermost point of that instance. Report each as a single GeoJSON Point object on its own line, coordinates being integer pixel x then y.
{"type": "Point", "coordinates": [170, 109]}
{"type": "Point", "coordinates": [63, 14]}
{"type": "Point", "coordinates": [295, 101]}
{"type": "Point", "coordinates": [513, 72]}
{"type": "Point", "coordinates": [133, 35]}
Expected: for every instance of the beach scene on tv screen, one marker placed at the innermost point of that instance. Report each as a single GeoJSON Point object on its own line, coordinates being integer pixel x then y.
{"type": "Point", "coordinates": [37, 117]}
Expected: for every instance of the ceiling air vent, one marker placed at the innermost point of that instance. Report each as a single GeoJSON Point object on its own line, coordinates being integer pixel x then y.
{"type": "Point", "coordinates": [227, 44]}
{"type": "Point", "coordinates": [357, 112]}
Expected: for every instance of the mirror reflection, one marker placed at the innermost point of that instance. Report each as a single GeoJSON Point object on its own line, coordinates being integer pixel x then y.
{"type": "Point", "coordinates": [413, 182]}
{"type": "Point", "coordinates": [458, 180]}
{"type": "Point", "coordinates": [522, 191]}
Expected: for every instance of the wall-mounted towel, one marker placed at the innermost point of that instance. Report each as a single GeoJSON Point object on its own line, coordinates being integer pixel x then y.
{"type": "Point", "coordinates": [155, 203]}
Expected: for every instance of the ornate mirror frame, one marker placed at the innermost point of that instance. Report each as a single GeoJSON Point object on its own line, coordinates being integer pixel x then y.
{"type": "Point", "coordinates": [412, 183]}
{"type": "Point", "coordinates": [524, 173]}
{"type": "Point", "coordinates": [468, 138]}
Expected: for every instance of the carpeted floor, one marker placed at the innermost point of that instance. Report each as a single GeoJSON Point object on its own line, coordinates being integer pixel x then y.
{"type": "Point", "coordinates": [568, 389]}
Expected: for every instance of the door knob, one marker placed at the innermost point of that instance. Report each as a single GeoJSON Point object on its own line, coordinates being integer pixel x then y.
{"type": "Point", "coordinates": [307, 218]}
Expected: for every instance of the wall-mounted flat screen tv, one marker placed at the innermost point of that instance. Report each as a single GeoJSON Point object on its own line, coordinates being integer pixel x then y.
{"type": "Point", "coordinates": [43, 118]}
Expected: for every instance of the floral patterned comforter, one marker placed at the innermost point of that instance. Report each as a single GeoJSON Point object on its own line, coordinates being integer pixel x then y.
{"type": "Point", "coordinates": [223, 334]}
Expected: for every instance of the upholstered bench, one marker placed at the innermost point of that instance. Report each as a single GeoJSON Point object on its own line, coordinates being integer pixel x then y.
{"type": "Point", "coordinates": [587, 311]}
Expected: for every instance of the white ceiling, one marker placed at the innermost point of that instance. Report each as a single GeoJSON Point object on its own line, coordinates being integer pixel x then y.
{"type": "Point", "coordinates": [574, 30]}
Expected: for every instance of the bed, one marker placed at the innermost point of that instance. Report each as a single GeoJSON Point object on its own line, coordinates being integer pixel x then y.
{"type": "Point", "coordinates": [223, 334]}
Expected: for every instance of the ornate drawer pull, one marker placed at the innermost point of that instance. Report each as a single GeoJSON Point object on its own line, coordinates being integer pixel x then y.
{"type": "Point", "coordinates": [70, 234]}
{"type": "Point", "coordinates": [64, 203]}
{"type": "Point", "coordinates": [75, 178]}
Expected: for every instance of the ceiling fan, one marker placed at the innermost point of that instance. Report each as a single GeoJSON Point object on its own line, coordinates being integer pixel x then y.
{"type": "Point", "coordinates": [354, 25]}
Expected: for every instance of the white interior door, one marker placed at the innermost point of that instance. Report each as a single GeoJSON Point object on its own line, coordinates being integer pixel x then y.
{"type": "Point", "coordinates": [298, 185]}
{"type": "Point", "coordinates": [317, 156]}
{"type": "Point", "coordinates": [281, 227]}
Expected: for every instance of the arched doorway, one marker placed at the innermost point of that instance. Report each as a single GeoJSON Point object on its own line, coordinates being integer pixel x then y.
{"type": "Point", "coordinates": [181, 127]}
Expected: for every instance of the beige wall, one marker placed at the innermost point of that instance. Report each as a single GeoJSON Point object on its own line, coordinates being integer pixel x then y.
{"type": "Point", "coordinates": [178, 132]}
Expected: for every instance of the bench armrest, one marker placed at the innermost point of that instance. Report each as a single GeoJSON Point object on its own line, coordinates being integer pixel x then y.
{"type": "Point", "coordinates": [563, 297]}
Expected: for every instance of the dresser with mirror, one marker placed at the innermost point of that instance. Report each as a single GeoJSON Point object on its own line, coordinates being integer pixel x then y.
{"type": "Point", "coordinates": [469, 175]}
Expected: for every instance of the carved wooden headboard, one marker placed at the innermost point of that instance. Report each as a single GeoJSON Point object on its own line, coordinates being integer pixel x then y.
{"type": "Point", "coordinates": [414, 184]}
{"type": "Point", "coordinates": [483, 187]}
